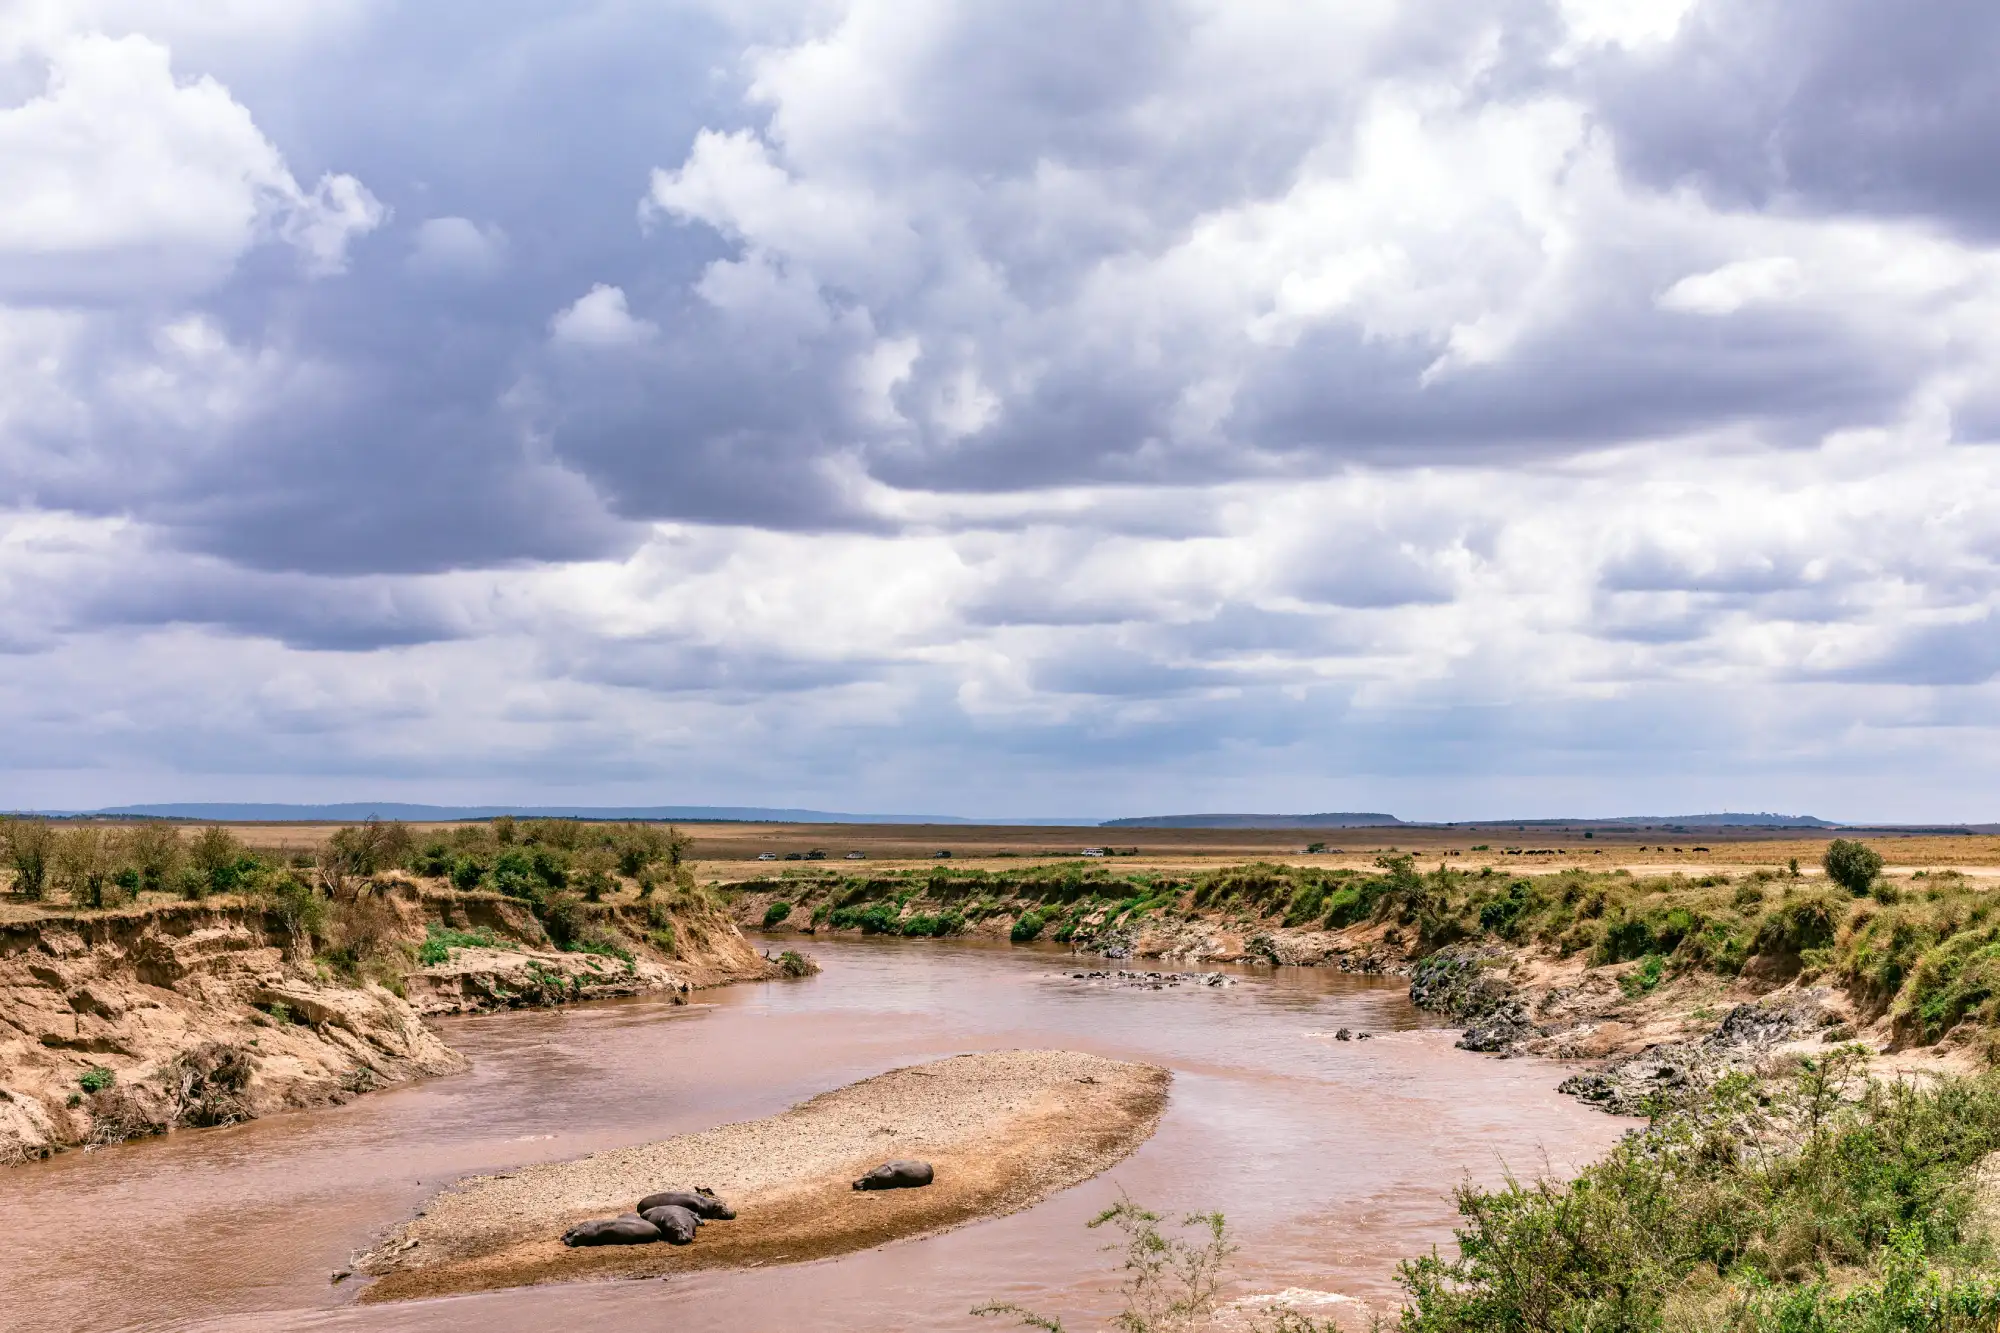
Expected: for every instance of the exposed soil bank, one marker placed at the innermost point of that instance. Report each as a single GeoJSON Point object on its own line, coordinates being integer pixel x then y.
{"type": "Point", "coordinates": [1004, 1131]}
{"type": "Point", "coordinates": [123, 1023]}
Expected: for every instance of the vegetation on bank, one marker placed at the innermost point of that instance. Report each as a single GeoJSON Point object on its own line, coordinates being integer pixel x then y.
{"type": "Point", "coordinates": [1923, 950]}
{"type": "Point", "coordinates": [1834, 1202]}
{"type": "Point", "coordinates": [328, 901]}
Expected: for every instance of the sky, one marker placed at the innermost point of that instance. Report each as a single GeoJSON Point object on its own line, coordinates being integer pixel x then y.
{"type": "Point", "coordinates": [1473, 409]}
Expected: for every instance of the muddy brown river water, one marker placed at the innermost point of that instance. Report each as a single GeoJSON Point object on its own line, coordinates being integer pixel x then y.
{"type": "Point", "coordinates": [1332, 1159]}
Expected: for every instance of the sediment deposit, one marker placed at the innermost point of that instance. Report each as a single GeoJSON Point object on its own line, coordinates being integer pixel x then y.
{"type": "Point", "coordinates": [1003, 1130]}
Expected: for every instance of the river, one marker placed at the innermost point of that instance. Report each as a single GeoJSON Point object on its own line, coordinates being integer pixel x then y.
{"type": "Point", "coordinates": [1331, 1159]}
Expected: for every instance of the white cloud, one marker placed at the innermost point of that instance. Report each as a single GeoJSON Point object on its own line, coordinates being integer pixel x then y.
{"type": "Point", "coordinates": [122, 179]}
{"type": "Point", "coordinates": [599, 318]}
{"type": "Point", "coordinates": [1726, 290]}
{"type": "Point", "coordinates": [457, 247]}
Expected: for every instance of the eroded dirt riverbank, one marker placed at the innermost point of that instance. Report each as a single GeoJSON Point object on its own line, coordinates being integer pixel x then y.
{"type": "Point", "coordinates": [1333, 1159]}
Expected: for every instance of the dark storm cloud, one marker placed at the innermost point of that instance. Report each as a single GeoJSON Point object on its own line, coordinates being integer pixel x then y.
{"type": "Point", "coordinates": [1842, 106]}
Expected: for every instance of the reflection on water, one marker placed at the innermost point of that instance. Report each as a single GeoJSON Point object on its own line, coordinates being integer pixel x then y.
{"type": "Point", "coordinates": [1332, 1159]}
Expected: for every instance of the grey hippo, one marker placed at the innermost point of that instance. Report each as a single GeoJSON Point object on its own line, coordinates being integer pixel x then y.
{"type": "Point", "coordinates": [902, 1174]}
{"type": "Point", "coordinates": [675, 1225]}
{"type": "Point", "coordinates": [630, 1229]}
{"type": "Point", "coordinates": [700, 1201]}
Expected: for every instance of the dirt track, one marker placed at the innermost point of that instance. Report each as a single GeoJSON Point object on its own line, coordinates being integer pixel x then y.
{"type": "Point", "coordinates": [1004, 1130]}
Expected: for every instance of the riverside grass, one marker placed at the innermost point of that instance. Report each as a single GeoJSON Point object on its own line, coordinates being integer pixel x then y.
{"type": "Point", "coordinates": [1829, 1202]}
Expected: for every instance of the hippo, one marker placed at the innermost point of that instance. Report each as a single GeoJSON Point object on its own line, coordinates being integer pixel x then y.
{"type": "Point", "coordinates": [675, 1225]}
{"type": "Point", "coordinates": [628, 1229]}
{"type": "Point", "coordinates": [701, 1201]}
{"type": "Point", "coordinates": [898, 1175]}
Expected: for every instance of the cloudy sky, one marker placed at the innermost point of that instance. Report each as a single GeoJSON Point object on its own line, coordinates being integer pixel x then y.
{"type": "Point", "coordinates": [1472, 408]}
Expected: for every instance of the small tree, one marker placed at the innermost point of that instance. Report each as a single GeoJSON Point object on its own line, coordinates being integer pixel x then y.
{"type": "Point", "coordinates": [215, 856]}
{"type": "Point", "coordinates": [1852, 865]}
{"type": "Point", "coordinates": [154, 850]}
{"type": "Point", "coordinates": [593, 873]}
{"type": "Point", "coordinates": [83, 864]}
{"type": "Point", "coordinates": [28, 845]}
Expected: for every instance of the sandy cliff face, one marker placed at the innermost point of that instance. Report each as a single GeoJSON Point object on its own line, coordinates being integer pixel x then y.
{"type": "Point", "coordinates": [117, 1024]}
{"type": "Point", "coordinates": [199, 1015]}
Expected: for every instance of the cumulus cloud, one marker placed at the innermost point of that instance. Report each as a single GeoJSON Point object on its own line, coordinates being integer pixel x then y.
{"type": "Point", "coordinates": [120, 178]}
{"type": "Point", "coordinates": [1535, 404]}
{"type": "Point", "coordinates": [599, 318]}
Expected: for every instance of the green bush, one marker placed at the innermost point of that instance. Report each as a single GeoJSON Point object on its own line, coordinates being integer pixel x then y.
{"type": "Point", "coordinates": [1026, 927]}
{"type": "Point", "coordinates": [1680, 1220]}
{"type": "Point", "coordinates": [1852, 865]}
{"type": "Point", "coordinates": [1644, 978]}
{"type": "Point", "coordinates": [439, 941]}
{"type": "Point", "coordinates": [97, 1078]}
{"type": "Point", "coordinates": [776, 913]}
{"type": "Point", "coordinates": [1805, 921]}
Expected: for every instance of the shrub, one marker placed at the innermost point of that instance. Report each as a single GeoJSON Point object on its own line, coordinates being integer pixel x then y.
{"type": "Point", "coordinates": [370, 848]}
{"type": "Point", "coordinates": [776, 913]}
{"type": "Point", "coordinates": [514, 874]}
{"type": "Point", "coordinates": [1808, 921]}
{"type": "Point", "coordinates": [153, 852]}
{"type": "Point", "coordinates": [1679, 1227]}
{"type": "Point", "coordinates": [29, 845]}
{"type": "Point", "coordinates": [792, 963]}
{"type": "Point", "coordinates": [435, 861]}
{"type": "Point", "coordinates": [439, 941]}
{"type": "Point", "coordinates": [97, 1078]}
{"type": "Point", "coordinates": [466, 874]}
{"type": "Point", "coordinates": [298, 906]}
{"type": "Point", "coordinates": [593, 873]}
{"type": "Point", "coordinates": [1026, 927]}
{"type": "Point", "coordinates": [1852, 865]}
{"type": "Point", "coordinates": [218, 860]}
{"type": "Point", "coordinates": [1644, 978]}
{"type": "Point", "coordinates": [83, 865]}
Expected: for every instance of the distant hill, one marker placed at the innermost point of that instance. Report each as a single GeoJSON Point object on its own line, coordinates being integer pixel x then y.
{"type": "Point", "coordinates": [1726, 820]}
{"type": "Point", "coordinates": [355, 811]}
{"type": "Point", "coordinates": [1341, 820]}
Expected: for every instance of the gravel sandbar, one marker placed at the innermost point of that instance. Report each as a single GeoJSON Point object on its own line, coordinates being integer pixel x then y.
{"type": "Point", "coordinates": [1005, 1129]}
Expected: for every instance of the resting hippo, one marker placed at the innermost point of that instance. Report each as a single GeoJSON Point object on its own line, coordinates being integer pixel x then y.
{"type": "Point", "coordinates": [701, 1202]}
{"type": "Point", "coordinates": [675, 1225]}
{"type": "Point", "coordinates": [898, 1175]}
{"type": "Point", "coordinates": [630, 1229]}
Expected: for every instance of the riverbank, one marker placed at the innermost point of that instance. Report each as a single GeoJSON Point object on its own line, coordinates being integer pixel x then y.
{"type": "Point", "coordinates": [131, 1021]}
{"type": "Point", "coordinates": [1658, 979]}
{"type": "Point", "coordinates": [1004, 1130]}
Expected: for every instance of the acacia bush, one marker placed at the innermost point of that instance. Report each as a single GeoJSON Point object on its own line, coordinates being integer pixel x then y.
{"type": "Point", "coordinates": [1852, 865]}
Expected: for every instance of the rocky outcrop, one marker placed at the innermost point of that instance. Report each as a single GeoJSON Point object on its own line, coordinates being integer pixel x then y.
{"type": "Point", "coordinates": [1638, 1083]}
{"type": "Point", "coordinates": [1468, 985]}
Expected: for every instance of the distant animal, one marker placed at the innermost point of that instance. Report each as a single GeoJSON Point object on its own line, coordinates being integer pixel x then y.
{"type": "Point", "coordinates": [629, 1229]}
{"type": "Point", "coordinates": [897, 1175]}
{"type": "Point", "coordinates": [701, 1201]}
{"type": "Point", "coordinates": [676, 1225]}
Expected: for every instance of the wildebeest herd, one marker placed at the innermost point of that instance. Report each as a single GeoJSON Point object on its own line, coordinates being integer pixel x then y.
{"type": "Point", "coordinates": [674, 1215]}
